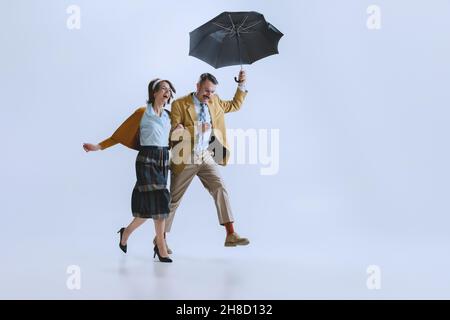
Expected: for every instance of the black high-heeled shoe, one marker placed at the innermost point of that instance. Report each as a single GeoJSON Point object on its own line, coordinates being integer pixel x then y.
{"type": "Point", "coordinates": [162, 259]}
{"type": "Point", "coordinates": [121, 246]}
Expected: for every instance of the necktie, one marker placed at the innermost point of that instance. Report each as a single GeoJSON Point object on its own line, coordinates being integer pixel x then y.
{"type": "Point", "coordinates": [202, 115]}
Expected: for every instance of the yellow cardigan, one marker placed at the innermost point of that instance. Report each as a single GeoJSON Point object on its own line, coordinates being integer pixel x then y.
{"type": "Point", "coordinates": [128, 132]}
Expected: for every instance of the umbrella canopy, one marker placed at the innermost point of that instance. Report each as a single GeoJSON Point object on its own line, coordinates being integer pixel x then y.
{"type": "Point", "coordinates": [234, 38]}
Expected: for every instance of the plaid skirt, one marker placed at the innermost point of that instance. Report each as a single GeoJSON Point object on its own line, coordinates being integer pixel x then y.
{"type": "Point", "coordinates": [150, 198]}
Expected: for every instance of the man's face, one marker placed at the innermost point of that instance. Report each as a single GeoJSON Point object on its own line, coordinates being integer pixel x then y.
{"type": "Point", "coordinates": [205, 91]}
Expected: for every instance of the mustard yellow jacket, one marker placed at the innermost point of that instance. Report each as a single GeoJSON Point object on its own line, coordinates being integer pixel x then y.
{"type": "Point", "coordinates": [183, 111]}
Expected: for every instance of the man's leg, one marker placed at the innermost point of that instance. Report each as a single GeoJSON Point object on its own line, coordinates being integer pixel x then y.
{"type": "Point", "coordinates": [211, 179]}
{"type": "Point", "coordinates": [178, 186]}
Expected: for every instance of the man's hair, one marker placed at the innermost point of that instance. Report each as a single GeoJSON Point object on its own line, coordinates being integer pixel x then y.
{"type": "Point", "coordinates": [207, 76]}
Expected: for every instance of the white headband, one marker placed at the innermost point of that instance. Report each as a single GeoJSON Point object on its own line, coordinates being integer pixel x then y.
{"type": "Point", "coordinates": [156, 82]}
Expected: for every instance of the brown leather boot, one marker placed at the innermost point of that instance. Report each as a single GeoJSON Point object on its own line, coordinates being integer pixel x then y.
{"type": "Point", "coordinates": [233, 240]}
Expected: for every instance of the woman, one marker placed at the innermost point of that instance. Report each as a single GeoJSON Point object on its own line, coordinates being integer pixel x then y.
{"type": "Point", "coordinates": [147, 130]}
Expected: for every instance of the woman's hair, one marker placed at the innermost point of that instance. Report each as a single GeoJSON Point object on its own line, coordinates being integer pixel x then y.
{"type": "Point", "coordinates": [151, 91]}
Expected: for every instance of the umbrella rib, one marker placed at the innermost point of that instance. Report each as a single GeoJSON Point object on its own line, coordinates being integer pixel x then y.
{"type": "Point", "coordinates": [230, 30]}
{"type": "Point", "coordinates": [222, 26]}
{"type": "Point", "coordinates": [233, 30]}
{"type": "Point", "coordinates": [243, 21]}
{"type": "Point", "coordinates": [232, 23]}
{"type": "Point", "coordinates": [252, 25]}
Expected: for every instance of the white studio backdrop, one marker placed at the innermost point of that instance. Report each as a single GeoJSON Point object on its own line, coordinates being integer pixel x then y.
{"type": "Point", "coordinates": [361, 113]}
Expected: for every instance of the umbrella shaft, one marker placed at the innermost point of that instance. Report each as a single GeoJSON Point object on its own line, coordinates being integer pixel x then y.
{"type": "Point", "coordinates": [239, 48]}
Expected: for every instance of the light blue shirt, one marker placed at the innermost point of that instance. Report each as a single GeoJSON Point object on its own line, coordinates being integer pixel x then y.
{"type": "Point", "coordinates": [154, 130]}
{"type": "Point", "coordinates": [202, 138]}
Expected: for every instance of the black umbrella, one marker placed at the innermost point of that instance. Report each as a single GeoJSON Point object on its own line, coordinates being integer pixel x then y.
{"type": "Point", "coordinates": [234, 38]}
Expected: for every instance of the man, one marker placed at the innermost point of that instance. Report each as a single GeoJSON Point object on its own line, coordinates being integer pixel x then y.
{"type": "Point", "coordinates": [202, 147]}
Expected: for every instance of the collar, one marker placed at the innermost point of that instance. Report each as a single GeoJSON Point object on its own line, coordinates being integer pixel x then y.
{"type": "Point", "coordinates": [152, 112]}
{"type": "Point", "coordinates": [196, 101]}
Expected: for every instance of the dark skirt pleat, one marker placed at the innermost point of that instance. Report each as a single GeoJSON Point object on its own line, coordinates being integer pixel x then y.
{"type": "Point", "coordinates": [150, 197]}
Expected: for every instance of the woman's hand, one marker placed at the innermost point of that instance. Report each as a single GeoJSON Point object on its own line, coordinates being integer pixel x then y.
{"type": "Point", "coordinates": [178, 127]}
{"type": "Point", "coordinates": [91, 147]}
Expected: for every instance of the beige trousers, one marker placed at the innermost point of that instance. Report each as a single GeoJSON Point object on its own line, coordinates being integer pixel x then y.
{"type": "Point", "coordinates": [207, 170]}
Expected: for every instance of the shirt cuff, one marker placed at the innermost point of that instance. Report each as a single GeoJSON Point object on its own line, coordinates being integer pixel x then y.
{"type": "Point", "coordinates": [242, 87]}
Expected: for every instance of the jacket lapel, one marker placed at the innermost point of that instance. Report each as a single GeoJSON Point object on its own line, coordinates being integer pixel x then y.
{"type": "Point", "coordinates": [212, 112]}
{"type": "Point", "coordinates": [189, 102]}
{"type": "Point", "coordinates": [191, 112]}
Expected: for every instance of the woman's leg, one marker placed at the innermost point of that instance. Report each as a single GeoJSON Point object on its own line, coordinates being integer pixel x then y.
{"type": "Point", "coordinates": [160, 224]}
{"type": "Point", "coordinates": [136, 223]}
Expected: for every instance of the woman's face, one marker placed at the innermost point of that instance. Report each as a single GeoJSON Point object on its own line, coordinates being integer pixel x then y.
{"type": "Point", "coordinates": [163, 94]}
